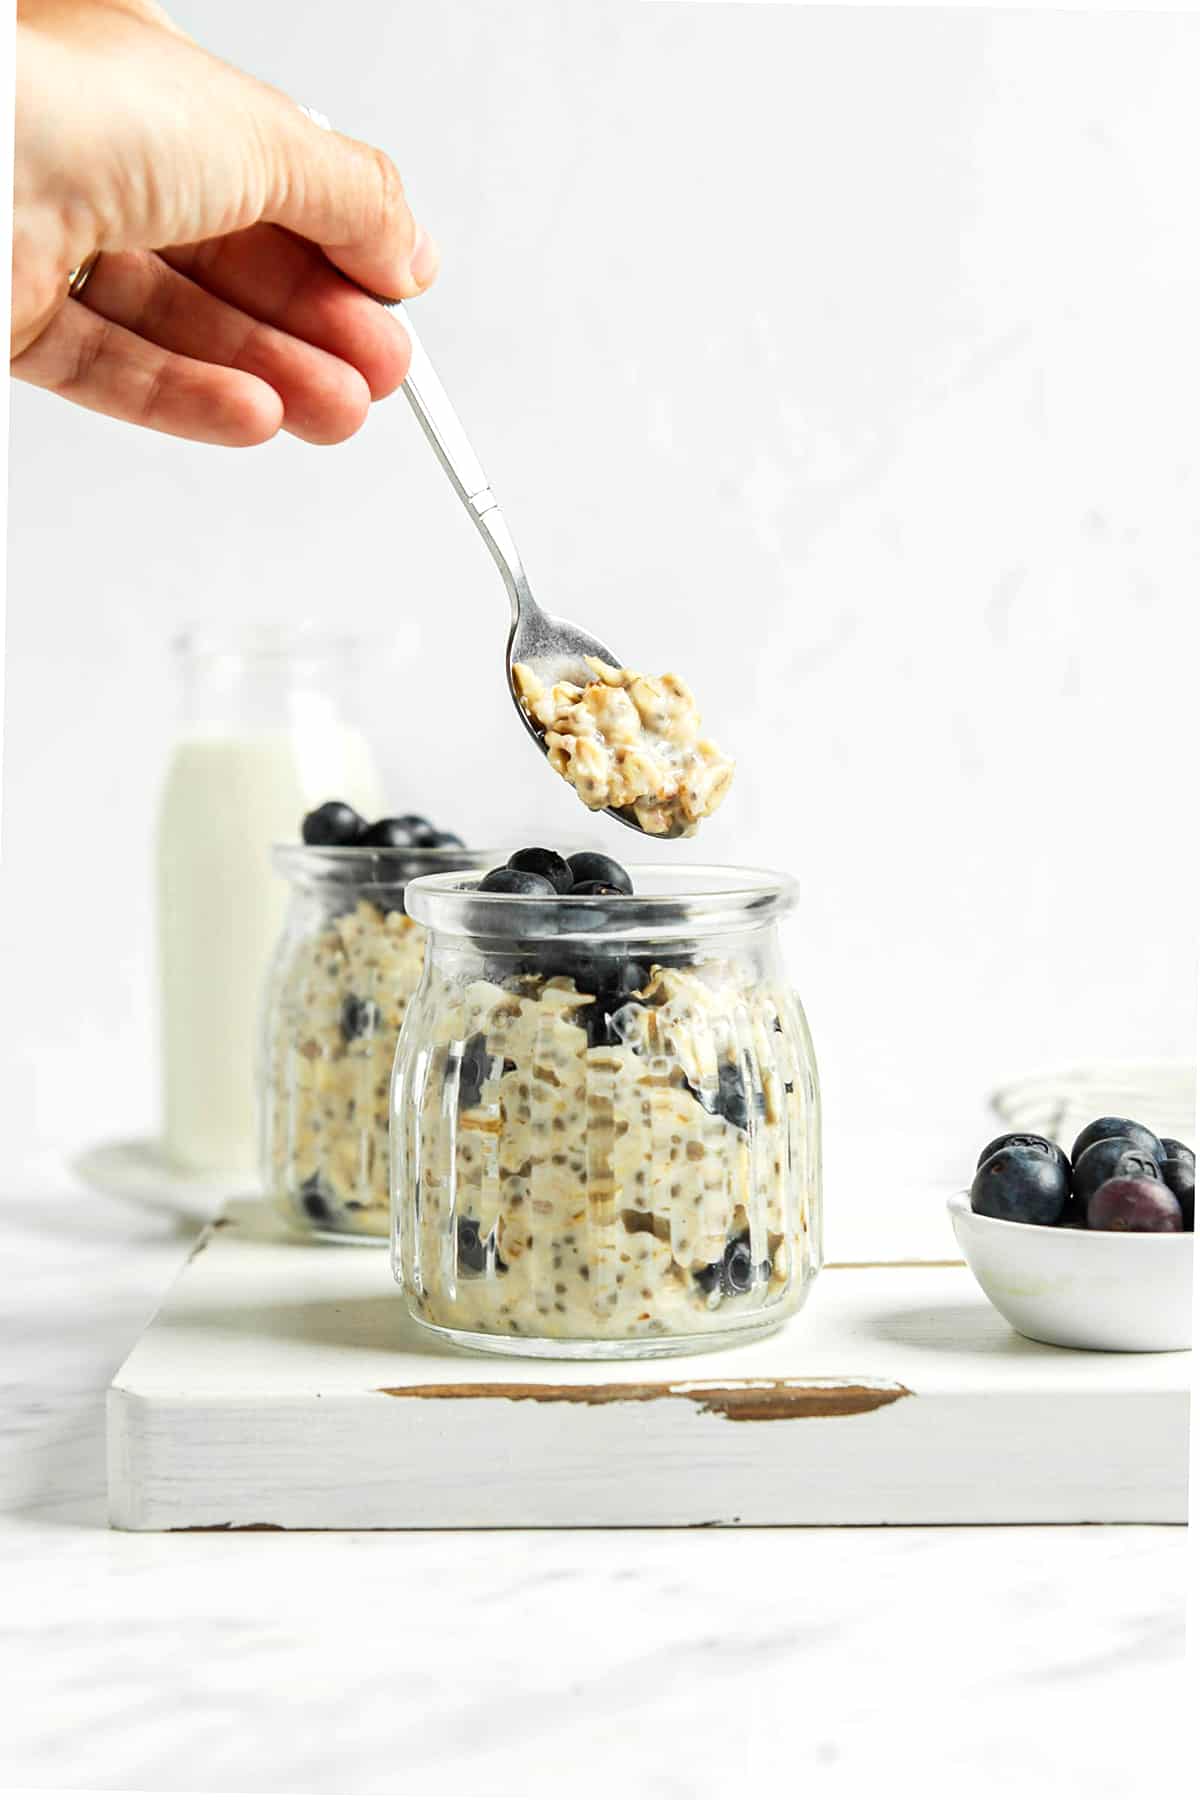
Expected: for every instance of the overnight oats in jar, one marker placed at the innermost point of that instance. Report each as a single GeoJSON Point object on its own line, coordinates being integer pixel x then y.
{"type": "Point", "coordinates": [605, 1114]}
{"type": "Point", "coordinates": [339, 986]}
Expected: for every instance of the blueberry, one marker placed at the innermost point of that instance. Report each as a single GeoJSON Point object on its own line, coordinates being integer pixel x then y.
{"type": "Point", "coordinates": [1020, 1183]}
{"type": "Point", "coordinates": [736, 1273]}
{"type": "Point", "coordinates": [615, 984]}
{"type": "Point", "coordinates": [546, 863]}
{"type": "Point", "coordinates": [739, 1267]}
{"type": "Point", "coordinates": [574, 962]}
{"type": "Point", "coordinates": [596, 1020]}
{"type": "Point", "coordinates": [1180, 1176]}
{"type": "Point", "coordinates": [1129, 1203]}
{"type": "Point", "coordinates": [1117, 1128]}
{"type": "Point", "coordinates": [1108, 1157]}
{"type": "Point", "coordinates": [516, 881]}
{"type": "Point", "coordinates": [1174, 1151]}
{"type": "Point", "coordinates": [473, 1071]}
{"type": "Point", "coordinates": [593, 865]}
{"type": "Point", "coordinates": [312, 1199]}
{"type": "Point", "coordinates": [597, 887]}
{"type": "Point", "coordinates": [1028, 1140]}
{"type": "Point", "coordinates": [359, 1017]}
{"type": "Point", "coordinates": [1074, 1213]}
{"type": "Point", "coordinates": [622, 981]}
{"type": "Point", "coordinates": [389, 834]}
{"type": "Point", "coordinates": [332, 823]}
{"type": "Point", "coordinates": [731, 1101]}
{"type": "Point", "coordinates": [472, 1249]}
{"type": "Point", "coordinates": [446, 840]}
{"type": "Point", "coordinates": [421, 832]}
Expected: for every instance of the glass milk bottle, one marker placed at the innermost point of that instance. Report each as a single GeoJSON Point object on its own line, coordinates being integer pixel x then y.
{"type": "Point", "coordinates": [267, 731]}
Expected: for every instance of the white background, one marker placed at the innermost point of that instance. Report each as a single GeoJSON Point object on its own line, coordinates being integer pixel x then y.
{"type": "Point", "coordinates": [845, 362]}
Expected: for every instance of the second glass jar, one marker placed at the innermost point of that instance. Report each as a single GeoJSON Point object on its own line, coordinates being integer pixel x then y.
{"type": "Point", "coordinates": [345, 970]}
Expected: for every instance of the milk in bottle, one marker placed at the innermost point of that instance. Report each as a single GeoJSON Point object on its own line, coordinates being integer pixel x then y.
{"type": "Point", "coordinates": [266, 733]}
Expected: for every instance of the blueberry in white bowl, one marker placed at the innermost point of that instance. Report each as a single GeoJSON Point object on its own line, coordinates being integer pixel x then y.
{"type": "Point", "coordinates": [1026, 1140]}
{"type": "Point", "coordinates": [1134, 1203]}
{"type": "Point", "coordinates": [1107, 1158]}
{"type": "Point", "coordinates": [1025, 1182]}
{"type": "Point", "coordinates": [1111, 1127]}
{"type": "Point", "coordinates": [1051, 1239]}
{"type": "Point", "coordinates": [1179, 1175]}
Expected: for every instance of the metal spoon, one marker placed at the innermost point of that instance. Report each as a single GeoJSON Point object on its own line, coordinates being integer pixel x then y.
{"type": "Point", "coordinates": [553, 648]}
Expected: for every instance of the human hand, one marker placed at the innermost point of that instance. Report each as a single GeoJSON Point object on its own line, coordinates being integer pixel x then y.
{"type": "Point", "coordinates": [216, 311]}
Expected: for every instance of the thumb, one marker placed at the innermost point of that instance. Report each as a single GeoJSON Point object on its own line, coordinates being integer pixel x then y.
{"type": "Point", "coordinates": [348, 197]}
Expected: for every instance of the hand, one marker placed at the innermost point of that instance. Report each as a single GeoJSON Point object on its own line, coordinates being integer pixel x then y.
{"type": "Point", "coordinates": [216, 311]}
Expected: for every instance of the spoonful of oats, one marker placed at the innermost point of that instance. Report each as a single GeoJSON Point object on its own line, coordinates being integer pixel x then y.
{"type": "Point", "coordinates": [629, 745]}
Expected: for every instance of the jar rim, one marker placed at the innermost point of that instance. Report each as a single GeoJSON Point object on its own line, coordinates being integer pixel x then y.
{"type": "Point", "coordinates": [366, 866]}
{"type": "Point", "coordinates": [672, 900]}
{"type": "Point", "coordinates": [266, 640]}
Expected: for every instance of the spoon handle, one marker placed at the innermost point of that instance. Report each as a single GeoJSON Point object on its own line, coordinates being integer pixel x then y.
{"type": "Point", "coordinates": [441, 425]}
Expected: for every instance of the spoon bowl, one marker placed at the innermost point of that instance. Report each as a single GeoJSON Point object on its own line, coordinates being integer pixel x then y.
{"type": "Point", "coordinates": [556, 650]}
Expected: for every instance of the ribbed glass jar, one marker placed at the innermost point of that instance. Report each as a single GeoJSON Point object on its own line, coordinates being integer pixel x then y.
{"type": "Point", "coordinates": [340, 982]}
{"type": "Point", "coordinates": [605, 1118]}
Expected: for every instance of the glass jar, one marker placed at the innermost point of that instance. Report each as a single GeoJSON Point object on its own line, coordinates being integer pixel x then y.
{"type": "Point", "coordinates": [605, 1118]}
{"type": "Point", "coordinates": [346, 967]}
{"type": "Point", "coordinates": [268, 728]}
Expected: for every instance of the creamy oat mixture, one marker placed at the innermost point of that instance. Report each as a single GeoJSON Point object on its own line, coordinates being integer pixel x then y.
{"type": "Point", "coordinates": [339, 999]}
{"type": "Point", "coordinates": [655, 1185]}
{"type": "Point", "coordinates": [630, 742]}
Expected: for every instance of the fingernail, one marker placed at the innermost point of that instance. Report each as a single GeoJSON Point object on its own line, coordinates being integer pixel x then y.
{"type": "Point", "coordinates": [423, 263]}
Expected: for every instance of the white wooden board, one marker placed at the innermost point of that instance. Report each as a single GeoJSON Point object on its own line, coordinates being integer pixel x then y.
{"type": "Point", "coordinates": [281, 1386]}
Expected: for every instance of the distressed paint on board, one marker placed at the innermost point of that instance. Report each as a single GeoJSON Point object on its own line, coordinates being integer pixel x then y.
{"type": "Point", "coordinates": [736, 1400]}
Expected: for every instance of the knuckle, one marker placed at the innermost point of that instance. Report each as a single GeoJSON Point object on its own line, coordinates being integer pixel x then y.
{"type": "Point", "coordinates": [153, 393]}
{"type": "Point", "coordinates": [393, 201]}
{"type": "Point", "coordinates": [91, 346]}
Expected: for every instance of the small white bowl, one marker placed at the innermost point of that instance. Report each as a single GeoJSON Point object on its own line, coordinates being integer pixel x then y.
{"type": "Point", "coordinates": [1087, 1290]}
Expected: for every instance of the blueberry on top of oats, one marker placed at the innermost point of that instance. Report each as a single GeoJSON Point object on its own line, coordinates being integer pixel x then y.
{"type": "Point", "coordinates": [516, 881]}
{"type": "Point", "coordinates": [593, 865]}
{"type": "Point", "coordinates": [332, 823]}
{"type": "Point", "coordinates": [547, 863]}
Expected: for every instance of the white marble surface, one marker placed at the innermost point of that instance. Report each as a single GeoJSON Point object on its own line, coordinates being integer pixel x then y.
{"type": "Point", "coordinates": [660, 1664]}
